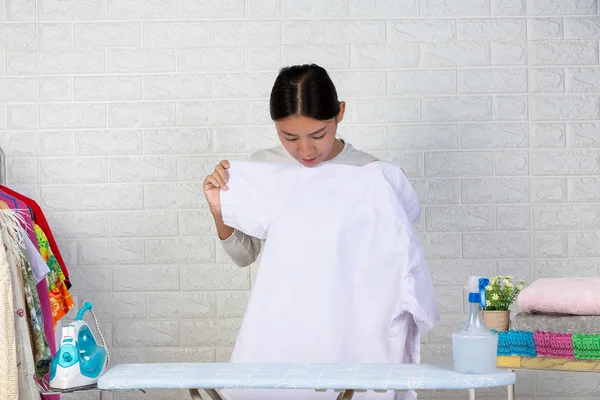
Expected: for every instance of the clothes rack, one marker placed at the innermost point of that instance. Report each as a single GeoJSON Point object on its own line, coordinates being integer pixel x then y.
{"type": "Point", "coordinates": [2, 167]}
{"type": "Point", "coordinates": [33, 280]}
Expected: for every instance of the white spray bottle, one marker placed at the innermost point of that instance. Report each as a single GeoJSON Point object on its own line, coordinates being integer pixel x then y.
{"type": "Point", "coordinates": [474, 348]}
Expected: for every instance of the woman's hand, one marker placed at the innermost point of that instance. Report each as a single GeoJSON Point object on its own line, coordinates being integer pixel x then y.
{"type": "Point", "coordinates": [213, 184]}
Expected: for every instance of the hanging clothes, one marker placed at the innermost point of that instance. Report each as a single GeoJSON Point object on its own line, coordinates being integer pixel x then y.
{"type": "Point", "coordinates": [31, 213]}
{"type": "Point", "coordinates": [8, 346]}
{"type": "Point", "coordinates": [17, 255]}
{"type": "Point", "coordinates": [25, 363]}
{"type": "Point", "coordinates": [41, 286]}
{"type": "Point", "coordinates": [60, 298]}
{"type": "Point", "coordinates": [38, 265]}
{"type": "Point", "coordinates": [24, 213]}
{"type": "Point", "coordinates": [40, 219]}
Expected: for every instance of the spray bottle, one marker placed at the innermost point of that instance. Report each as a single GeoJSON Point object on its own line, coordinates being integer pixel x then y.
{"type": "Point", "coordinates": [475, 347]}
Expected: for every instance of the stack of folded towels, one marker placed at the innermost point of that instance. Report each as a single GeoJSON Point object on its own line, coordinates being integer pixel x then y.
{"type": "Point", "coordinates": [557, 318]}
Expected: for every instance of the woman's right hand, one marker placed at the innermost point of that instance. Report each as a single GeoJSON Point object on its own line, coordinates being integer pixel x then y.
{"type": "Point", "coordinates": [213, 184]}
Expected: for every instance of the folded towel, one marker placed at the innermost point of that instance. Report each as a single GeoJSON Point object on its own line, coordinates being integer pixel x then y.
{"type": "Point", "coordinates": [556, 323]}
{"type": "Point", "coordinates": [577, 296]}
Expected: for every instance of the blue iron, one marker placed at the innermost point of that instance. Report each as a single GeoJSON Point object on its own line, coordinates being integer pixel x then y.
{"type": "Point", "coordinates": [80, 360]}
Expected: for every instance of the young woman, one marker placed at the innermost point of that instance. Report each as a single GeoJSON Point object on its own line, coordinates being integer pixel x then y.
{"type": "Point", "coordinates": [325, 308]}
{"type": "Point", "coordinates": [306, 111]}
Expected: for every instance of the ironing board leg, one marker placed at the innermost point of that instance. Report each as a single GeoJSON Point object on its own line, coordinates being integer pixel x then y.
{"type": "Point", "coordinates": [511, 392]}
{"type": "Point", "coordinates": [212, 393]}
{"type": "Point", "coordinates": [471, 394]}
{"type": "Point", "coordinates": [346, 395]}
{"type": "Point", "coordinates": [511, 389]}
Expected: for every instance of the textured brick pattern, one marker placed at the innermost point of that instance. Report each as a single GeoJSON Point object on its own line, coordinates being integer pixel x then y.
{"type": "Point", "coordinates": [112, 111]}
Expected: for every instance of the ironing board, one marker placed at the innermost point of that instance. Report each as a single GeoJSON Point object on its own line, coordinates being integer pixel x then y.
{"type": "Point", "coordinates": [345, 379]}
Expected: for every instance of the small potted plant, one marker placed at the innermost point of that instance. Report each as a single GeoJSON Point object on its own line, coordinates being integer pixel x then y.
{"type": "Point", "coordinates": [499, 295]}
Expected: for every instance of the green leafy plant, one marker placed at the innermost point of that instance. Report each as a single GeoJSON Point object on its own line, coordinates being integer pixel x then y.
{"type": "Point", "coordinates": [502, 292]}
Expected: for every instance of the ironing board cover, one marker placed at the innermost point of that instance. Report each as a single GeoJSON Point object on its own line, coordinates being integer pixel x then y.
{"type": "Point", "coordinates": [294, 376]}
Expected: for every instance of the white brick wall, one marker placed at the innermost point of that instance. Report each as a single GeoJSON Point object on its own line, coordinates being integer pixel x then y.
{"type": "Point", "coordinates": [112, 111]}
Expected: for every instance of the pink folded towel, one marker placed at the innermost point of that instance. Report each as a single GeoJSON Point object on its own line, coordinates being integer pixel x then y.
{"type": "Point", "coordinates": [579, 296]}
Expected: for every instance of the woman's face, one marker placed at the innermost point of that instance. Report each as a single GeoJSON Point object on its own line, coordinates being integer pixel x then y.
{"type": "Point", "coordinates": [308, 140]}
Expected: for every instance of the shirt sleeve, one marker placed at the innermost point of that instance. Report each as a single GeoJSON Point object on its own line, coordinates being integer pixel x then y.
{"type": "Point", "coordinates": [416, 286]}
{"type": "Point", "coordinates": [257, 192]}
{"type": "Point", "coordinates": [416, 291]}
{"type": "Point", "coordinates": [404, 190]}
{"type": "Point", "coordinates": [243, 249]}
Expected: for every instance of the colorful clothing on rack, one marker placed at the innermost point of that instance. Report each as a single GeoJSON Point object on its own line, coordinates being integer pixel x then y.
{"type": "Point", "coordinates": [38, 265]}
{"type": "Point", "coordinates": [41, 349]}
{"type": "Point", "coordinates": [25, 364]}
{"type": "Point", "coordinates": [21, 209]}
{"type": "Point", "coordinates": [9, 388]}
{"type": "Point", "coordinates": [60, 298]}
{"type": "Point", "coordinates": [40, 219]}
{"type": "Point", "coordinates": [41, 286]}
{"type": "Point", "coordinates": [17, 256]}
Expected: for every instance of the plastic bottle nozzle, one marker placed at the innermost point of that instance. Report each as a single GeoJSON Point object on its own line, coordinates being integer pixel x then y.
{"type": "Point", "coordinates": [483, 282]}
{"type": "Point", "coordinates": [476, 287]}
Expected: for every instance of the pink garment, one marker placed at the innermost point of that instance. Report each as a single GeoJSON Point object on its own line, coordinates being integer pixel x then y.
{"type": "Point", "coordinates": [42, 289]}
{"type": "Point", "coordinates": [577, 296]}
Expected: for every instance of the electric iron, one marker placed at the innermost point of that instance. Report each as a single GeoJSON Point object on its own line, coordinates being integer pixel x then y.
{"type": "Point", "coordinates": [80, 361]}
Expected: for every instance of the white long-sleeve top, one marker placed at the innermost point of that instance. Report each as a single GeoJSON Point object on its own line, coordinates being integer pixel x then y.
{"type": "Point", "coordinates": [244, 249]}
{"type": "Point", "coordinates": [342, 276]}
